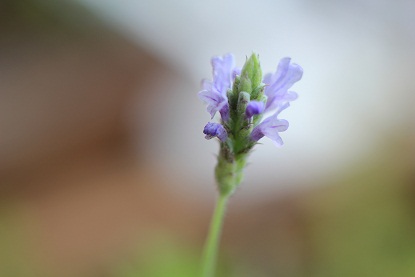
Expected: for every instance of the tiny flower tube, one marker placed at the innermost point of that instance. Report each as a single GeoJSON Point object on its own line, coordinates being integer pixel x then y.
{"type": "Point", "coordinates": [212, 130]}
{"type": "Point", "coordinates": [254, 108]}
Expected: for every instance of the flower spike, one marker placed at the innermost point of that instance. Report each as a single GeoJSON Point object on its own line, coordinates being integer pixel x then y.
{"type": "Point", "coordinates": [244, 99]}
{"type": "Point", "coordinates": [249, 105]}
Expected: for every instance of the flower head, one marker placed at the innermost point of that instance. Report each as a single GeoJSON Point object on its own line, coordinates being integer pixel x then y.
{"type": "Point", "coordinates": [245, 100]}
{"type": "Point", "coordinates": [253, 107]}
{"type": "Point", "coordinates": [213, 92]}
{"type": "Point", "coordinates": [280, 82]}
{"type": "Point", "coordinates": [212, 130]}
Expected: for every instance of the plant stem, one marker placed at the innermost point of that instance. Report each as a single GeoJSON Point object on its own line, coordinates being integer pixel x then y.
{"type": "Point", "coordinates": [212, 242]}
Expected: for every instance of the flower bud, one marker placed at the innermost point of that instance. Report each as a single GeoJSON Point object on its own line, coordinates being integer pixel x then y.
{"type": "Point", "coordinates": [254, 108]}
{"type": "Point", "coordinates": [251, 74]}
{"type": "Point", "coordinates": [243, 101]}
{"type": "Point", "coordinates": [212, 130]}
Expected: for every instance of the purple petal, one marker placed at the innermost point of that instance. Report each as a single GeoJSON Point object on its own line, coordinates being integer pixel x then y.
{"type": "Point", "coordinates": [224, 111]}
{"type": "Point", "coordinates": [279, 83]}
{"type": "Point", "coordinates": [206, 85]}
{"type": "Point", "coordinates": [278, 101]}
{"type": "Point", "coordinates": [215, 101]}
{"type": "Point", "coordinates": [272, 131]}
{"type": "Point", "coordinates": [214, 92]}
{"type": "Point", "coordinates": [222, 72]}
{"type": "Point", "coordinates": [271, 127]}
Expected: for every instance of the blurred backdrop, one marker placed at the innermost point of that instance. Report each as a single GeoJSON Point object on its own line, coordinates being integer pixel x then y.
{"type": "Point", "coordinates": [104, 170]}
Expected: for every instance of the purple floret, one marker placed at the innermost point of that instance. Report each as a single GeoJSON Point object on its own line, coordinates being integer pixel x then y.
{"type": "Point", "coordinates": [271, 127]}
{"type": "Point", "coordinates": [278, 84]}
{"type": "Point", "coordinates": [212, 130]}
{"type": "Point", "coordinates": [213, 92]}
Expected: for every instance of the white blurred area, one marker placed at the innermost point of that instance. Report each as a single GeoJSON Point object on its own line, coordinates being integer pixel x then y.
{"type": "Point", "coordinates": [357, 91]}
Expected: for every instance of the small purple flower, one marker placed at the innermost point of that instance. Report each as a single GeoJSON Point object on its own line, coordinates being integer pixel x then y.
{"type": "Point", "coordinates": [215, 100]}
{"type": "Point", "coordinates": [213, 92]}
{"type": "Point", "coordinates": [254, 108]}
{"type": "Point", "coordinates": [278, 84]}
{"type": "Point", "coordinates": [271, 126]}
{"type": "Point", "coordinates": [212, 130]}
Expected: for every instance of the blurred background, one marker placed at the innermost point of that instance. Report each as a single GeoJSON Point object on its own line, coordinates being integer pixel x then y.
{"type": "Point", "coordinates": [104, 170]}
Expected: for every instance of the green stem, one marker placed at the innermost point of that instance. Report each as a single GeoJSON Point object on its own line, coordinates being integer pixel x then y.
{"type": "Point", "coordinates": [212, 243]}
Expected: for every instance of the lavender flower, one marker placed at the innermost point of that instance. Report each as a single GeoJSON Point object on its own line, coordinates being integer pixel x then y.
{"type": "Point", "coordinates": [278, 84]}
{"type": "Point", "coordinates": [254, 108]}
{"type": "Point", "coordinates": [271, 127]}
{"type": "Point", "coordinates": [213, 93]}
{"type": "Point", "coordinates": [215, 100]}
{"type": "Point", "coordinates": [212, 130]}
{"type": "Point", "coordinates": [245, 100]}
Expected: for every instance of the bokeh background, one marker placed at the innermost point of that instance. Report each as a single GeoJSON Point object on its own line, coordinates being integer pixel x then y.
{"type": "Point", "coordinates": [104, 171]}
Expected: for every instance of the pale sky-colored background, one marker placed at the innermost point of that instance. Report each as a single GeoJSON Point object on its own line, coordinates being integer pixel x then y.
{"type": "Point", "coordinates": [357, 90]}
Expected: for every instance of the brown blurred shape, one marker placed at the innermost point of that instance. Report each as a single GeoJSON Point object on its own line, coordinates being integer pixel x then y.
{"type": "Point", "coordinates": [66, 82]}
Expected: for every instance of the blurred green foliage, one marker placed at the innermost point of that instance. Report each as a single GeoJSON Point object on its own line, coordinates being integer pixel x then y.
{"type": "Point", "coordinates": [363, 224]}
{"type": "Point", "coordinates": [14, 261]}
{"type": "Point", "coordinates": [165, 255]}
{"type": "Point", "coordinates": [162, 257]}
